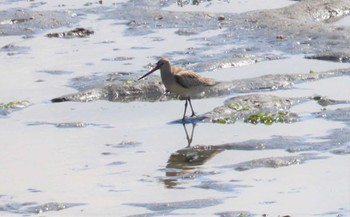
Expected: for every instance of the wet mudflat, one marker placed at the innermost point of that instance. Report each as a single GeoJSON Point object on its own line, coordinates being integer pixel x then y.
{"type": "Point", "coordinates": [81, 137]}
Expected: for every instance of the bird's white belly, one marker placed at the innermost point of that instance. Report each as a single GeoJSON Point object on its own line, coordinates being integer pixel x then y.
{"type": "Point", "coordinates": [173, 86]}
{"type": "Point", "coordinates": [185, 92]}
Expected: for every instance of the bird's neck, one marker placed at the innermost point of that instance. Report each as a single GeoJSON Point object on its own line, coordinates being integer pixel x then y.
{"type": "Point", "coordinates": [166, 75]}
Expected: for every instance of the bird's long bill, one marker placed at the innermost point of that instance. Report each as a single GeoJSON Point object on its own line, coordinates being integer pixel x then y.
{"type": "Point", "coordinates": [148, 73]}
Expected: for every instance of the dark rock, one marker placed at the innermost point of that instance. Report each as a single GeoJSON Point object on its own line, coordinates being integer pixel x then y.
{"type": "Point", "coordinates": [273, 162]}
{"type": "Point", "coordinates": [77, 32]}
{"type": "Point", "coordinates": [343, 57]}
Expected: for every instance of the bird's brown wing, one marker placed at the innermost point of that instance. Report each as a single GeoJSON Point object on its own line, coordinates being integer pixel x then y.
{"type": "Point", "coordinates": [189, 79]}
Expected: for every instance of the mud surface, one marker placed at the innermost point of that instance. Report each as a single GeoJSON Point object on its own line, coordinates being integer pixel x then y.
{"type": "Point", "coordinates": [82, 137]}
{"type": "Point", "coordinates": [28, 22]}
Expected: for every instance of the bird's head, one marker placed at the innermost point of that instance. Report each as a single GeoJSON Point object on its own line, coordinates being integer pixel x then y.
{"type": "Point", "coordinates": [163, 62]}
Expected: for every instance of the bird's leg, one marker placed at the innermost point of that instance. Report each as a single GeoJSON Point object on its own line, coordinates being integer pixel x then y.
{"type": "Point", "coordinates": [189, 139]}
{"type": "Point", "coordinates": [193, 114]}
{"type": "Point", "coordinates": [183, 118]}
{"type": "Point", "coordinates": [193, 126]}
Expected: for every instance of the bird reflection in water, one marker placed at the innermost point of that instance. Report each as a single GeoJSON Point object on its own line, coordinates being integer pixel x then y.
{"type": "Point", "coordinates": [184, 163]}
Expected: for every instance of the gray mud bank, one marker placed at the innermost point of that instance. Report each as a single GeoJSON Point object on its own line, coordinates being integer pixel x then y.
{"type": "Point", "coordinates": [252, 108]}
{"type": "Point", "coordinates": [303, 28]}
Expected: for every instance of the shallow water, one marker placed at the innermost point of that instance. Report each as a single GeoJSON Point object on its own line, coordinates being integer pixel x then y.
{"type": "Point", "coordinates": [228, 6]}
{"type": "Point", "coordinates": [127, 159]}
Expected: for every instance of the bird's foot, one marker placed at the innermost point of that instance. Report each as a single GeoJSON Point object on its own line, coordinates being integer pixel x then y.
{"type": "Point", "coordinates": [184, 117]}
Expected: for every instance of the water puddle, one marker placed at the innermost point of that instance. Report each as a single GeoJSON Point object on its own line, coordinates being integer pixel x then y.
{"type": "Point", "coordinates": [343, 22]}
{"type": "Point", "coordinates": [288, 65]}
{"type": "Point", "coordinates": [226, 6]}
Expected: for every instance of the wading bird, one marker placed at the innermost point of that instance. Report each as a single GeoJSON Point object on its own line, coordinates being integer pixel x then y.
{"type": "Point", "coordinates": [183, 82]}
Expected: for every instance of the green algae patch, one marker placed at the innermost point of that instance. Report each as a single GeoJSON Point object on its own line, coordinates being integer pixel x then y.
{"type": "Point", "coordinates": [237, 106]}
{"type": "Point", "coordinates": [14, 104]}
{"type": "Point", "coordinates": [237, 112]}
{"type": "Point", "coordinates": [259, 118]}
{"type": "Point", "coordinates": [268, 119]}
{"type": "Point", "coordinates": [312, 72]}
{"type": "Point", "coordinates": [282, 117]}
{"type": "Point", "coordinates": [255, 109]}
{"type": "Point", "coordinates": [129, 82]}
{"type": "Point", "coordinates": [6, 108]}
{"type": "Point", "coordinates": [226, 120]}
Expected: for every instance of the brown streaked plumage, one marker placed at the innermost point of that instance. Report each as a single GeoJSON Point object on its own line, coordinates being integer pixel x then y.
{"type": "Point", "coordinates": [183, 82]}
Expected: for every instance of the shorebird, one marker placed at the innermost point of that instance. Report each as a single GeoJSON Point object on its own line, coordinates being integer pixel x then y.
{"type": "Point", "coordinates": [182, 82]}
